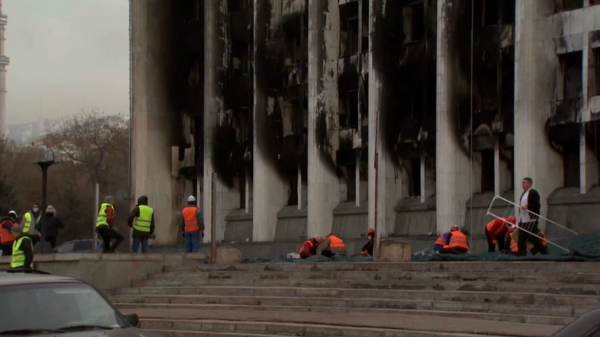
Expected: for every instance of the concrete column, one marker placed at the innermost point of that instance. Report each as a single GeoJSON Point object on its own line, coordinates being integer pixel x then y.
{"type": "Point", "coordinates": [389, 178]}
{"type": "Point", "coordinates": [588, 168]}
{"type": "Point", "coordinates": [215, 64]}
{"type": "Point", "coordinates": [453, 170]}
{"type": "Point", "coordinates": [323, 51]}
{"type": "Point", "coordinates": [152, 117]}
{"type": "Point", "coordinates": [535, 67]}
{"type": "Point", "coordinates": [270, 189]}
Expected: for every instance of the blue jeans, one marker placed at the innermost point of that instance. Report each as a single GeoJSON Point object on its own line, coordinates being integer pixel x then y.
{"type": "Point", "coordinates": [136, 245]}
{"type": "Point", "coordinates": [193, 242]}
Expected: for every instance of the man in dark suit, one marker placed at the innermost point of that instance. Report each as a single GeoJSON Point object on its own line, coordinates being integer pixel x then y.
{"type": "Point", "coordinates": [530, 203]}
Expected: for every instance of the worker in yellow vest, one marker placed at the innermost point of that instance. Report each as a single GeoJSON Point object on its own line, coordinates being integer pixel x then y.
{"type": "Point", "coordinates": [22, 254]}
{"type": "Point", "coordinates": [30, 223]}
{"type": "Point", "coordinates": [105, 226]}
{"type": "Point", "coordinates": [141, 220]}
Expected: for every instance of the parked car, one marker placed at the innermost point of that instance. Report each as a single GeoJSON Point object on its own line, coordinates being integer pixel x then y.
{"type": "Point", "coordinates": [44, 305]}
{"type": "Point", "coordinates": [588, 325]}
{"type": "Point", "coordinates": [78, 247]}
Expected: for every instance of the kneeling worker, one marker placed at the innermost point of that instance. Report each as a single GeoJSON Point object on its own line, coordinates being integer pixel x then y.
{"type": "Point", "coordinates": [22, 254]}
{"type": "Point", "coordinates": [457, 242]}
{"type": "Point", "coordinates": [514, 247]}
{"type": "Point", "coordinates": [309, 247]}
{"type": "Point", "coordinates": [367, 249]}
{"type": "Point", "coordinates": [332, 246]}
{"type": "Point", "coordinates": [496, 230]}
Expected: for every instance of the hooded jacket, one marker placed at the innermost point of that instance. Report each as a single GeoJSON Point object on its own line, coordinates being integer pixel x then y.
{"type": "Point", "coordinates": [142, 201]}
{"type": "Point", "coordinates": [53, 224]}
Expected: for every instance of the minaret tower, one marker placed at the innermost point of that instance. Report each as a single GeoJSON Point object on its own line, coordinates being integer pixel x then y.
{"type": "Point", "coordinates": [3, 63]}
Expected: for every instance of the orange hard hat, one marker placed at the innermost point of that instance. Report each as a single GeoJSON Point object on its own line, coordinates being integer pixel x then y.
{"type": "Point", "coordinates": [319, 239]}
{"type": "Point", "coordinates": [511, 220]}
{"type": "Point", "coordinates": [371, 231]}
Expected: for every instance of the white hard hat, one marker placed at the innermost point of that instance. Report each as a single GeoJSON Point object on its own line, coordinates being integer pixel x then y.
{"type": "Point", "coordinates": [191, 198]}
{"type": "Point", "coordinates": [12, 212]}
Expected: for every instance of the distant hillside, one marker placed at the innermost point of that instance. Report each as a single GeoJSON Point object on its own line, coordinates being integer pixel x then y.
{"type": "Point", "coordinates": [25, 133]}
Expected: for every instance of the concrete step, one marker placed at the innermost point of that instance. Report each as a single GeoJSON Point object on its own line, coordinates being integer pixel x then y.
{"type": "Point", "coordinates": [338, 320]}
{"type": "Point", "coordinates": [413, 304]}
{"type": "Point", "coordinates": [572, 278]}
{"type": "Point", "coordinates": [533, 267]}
{"type": "Point", "coordinates": [529, 286]}
{"type": "Point", "coordinates": [281, 329]}
{"type": "Point", "coordinates": [183, 333]}
{"type": "Point", "coordinates": [434, 295]}
{"type": "Point", "coordinates": [514, 318]}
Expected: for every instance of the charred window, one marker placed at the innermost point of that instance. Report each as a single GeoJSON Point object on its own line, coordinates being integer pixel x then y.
{"type": "Point", "coordinates": [414, 22]}
{"type": "Point", "coordinates": [365, 26]}
{"type": "Point", "coordinates": [349, 109]}
{"type": "Point", "coordinates": [239, 5]}
{"type": "Point", "coordinates": [571, 76]}
{"type": "Point", "coordinates": [568, 5]}
{"type": "Point", "coordinates": [240, 59]}
{"type": "Point", "coordinates": [242, 189]}
{"type": "Point", "coordinates": [243, 125]}
{"type": "Point", "coordinates": [596, 73]}
{"type": "Point", "coordinates": [415, 171]}
{"type": "Point", "coordinates": [571, 164]}
{"type": "Point", "coordinates": [490, 12]}
{"type": "Point", "coordinates": [487, 171]}
{"type": "Point", "coordinates": [351, 183]}
{"type": "Point", "coordinates": [349, 28]}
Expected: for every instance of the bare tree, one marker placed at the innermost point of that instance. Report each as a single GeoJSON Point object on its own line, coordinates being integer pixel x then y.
{"type": "Point", "coordinates": [91, 141]}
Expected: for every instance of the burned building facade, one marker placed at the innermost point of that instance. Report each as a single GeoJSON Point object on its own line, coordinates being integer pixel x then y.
{"type": "Point", "coordinates": [294, 118]}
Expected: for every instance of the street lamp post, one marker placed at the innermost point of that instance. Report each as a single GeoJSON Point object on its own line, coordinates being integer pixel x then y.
{"type": "Point", "coordinates": [44, 165]}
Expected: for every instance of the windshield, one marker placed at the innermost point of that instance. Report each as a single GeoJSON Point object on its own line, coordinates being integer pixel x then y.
{"type": "Point", "coordinates": [55, 306]}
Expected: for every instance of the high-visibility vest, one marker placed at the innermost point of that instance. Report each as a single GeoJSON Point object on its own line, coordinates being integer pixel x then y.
{"type": "Point", "coordinates": [18, 256]}
{"type": "Point", "coordinates": [496, 226]}
{"type": "Point", "coordinates": [544, 242]}
{"type": "Point", "coordinates": [335, 242]}
{"type": "Point", "coordinates": [190, 221]}
{"type": "Point", "coordinates": [103, 216]}
{"type": "Point", "coordinates": [311, 247]}
{"type": "Point", "coordinates": [143, 222]}
{"type": "Point", "coordinates": [5, 235]}
{"type": "Point", "coordinates": [27, 228]}
{"type": "Point", "coordinates": [440, 241]}
{"type": "Point", "coordinates": [457, 240]}
{"type": "Point", "coordinates": [514, 247]}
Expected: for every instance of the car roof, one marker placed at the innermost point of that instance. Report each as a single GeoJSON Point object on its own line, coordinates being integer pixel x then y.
{"type": "Point", "coordinates": [12, 278]}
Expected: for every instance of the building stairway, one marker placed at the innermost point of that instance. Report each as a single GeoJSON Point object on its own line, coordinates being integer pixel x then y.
{"type": "Point", "coordinates": [364, 299]}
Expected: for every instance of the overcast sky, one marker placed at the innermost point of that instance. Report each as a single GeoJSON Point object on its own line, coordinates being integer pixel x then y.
{"type": "Point", "coordinates": [66, 55]}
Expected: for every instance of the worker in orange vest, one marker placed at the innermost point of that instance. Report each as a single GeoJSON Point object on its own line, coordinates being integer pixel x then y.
{"type": "Point", "coordinates": [6, 238]}
{"type": "Point", "coordinates": [514, 247]}
{"type": "Point", "coordinates": [332, 246]}
{"type": "Point", "coordinates": [192, 226]}
{"type": "Point", "coordinates": [309, 247]}
{"type": "Point", "coordinates": [457, 242]}
{"type": "Point", "coordinates": [496, 230]}
{"type": "Point", "coordinates": [441, 242]}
